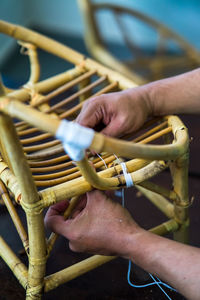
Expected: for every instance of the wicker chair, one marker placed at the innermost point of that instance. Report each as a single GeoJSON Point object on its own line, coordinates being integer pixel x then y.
{"type": "Point", "coordinates": [36, 172]}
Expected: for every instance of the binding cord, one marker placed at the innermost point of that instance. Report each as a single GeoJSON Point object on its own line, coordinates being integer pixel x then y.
{"type": "Point", "coordinates": [156, 281]}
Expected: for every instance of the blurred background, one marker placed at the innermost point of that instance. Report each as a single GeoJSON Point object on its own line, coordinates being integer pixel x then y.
{"type": "Point", "coordinates": [64, 21]}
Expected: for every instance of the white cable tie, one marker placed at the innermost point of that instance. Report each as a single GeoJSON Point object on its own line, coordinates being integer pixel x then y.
{"type": "Point", "coordinates": [127, 176]}
{"type": "Point", "coordinates": [75, 138]}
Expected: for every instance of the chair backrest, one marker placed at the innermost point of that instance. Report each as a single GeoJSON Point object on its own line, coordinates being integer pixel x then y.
{"type": "Point", "coordinates": [170, 54]}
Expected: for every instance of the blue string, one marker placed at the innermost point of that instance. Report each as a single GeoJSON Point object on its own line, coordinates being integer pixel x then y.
{"type": "Point", "coordinates": [157, 281]}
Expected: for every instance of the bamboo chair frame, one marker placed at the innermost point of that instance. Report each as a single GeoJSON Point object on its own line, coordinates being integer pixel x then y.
{"type": "Point", "coordinates": [154, 67]}
{"type": "Point", "coordinates": [43, 163]}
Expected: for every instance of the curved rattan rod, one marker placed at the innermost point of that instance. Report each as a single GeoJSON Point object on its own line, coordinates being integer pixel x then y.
{"type": "Point", "coordinates": [66, 157]}
{"type": "Point", "coordinates": [28, 149]}
{"type": "Point", "coordinates": [35, 138]}
{"type": "Point", "coordinates": [139, 169]}
{"type": "Point", "coordinates": [73, 170]}
{"type": "Point", "coordinates": [73, 74]}
{"type": "Point", "coordinates": [108, 182]}
{"type": "Point", "coordinates": [47, 135]}
{"type": "Point", "coordinates": [77, 94]}
{"type": "Point", "coordinates": [34, 61]}
{"type": "Point", "coordinates": [76, 108]}
{"type": "Point", "coordinates": [65, 87]}
{"type": "Point", "coordinates": [45, 153]}
{"type": "Point", "coordinates": [64, 165]}
{"type": "Point", "coordinates": [149, 132]}
{"type": "Point", "coordinates": [108, 160]}
{"type": "Point", "coordinates": [101, 143]}
{"type": "Point", "coordinates": [144, 141]}
{"type": "Point", "coordinates": [60, 90]}
{"type": "Point", "coordinates": [88, 171]}
{"type": "Point", "coordinates": [60, 50]}
{"type": "Point", "coordinates": [160, 27]}
{"type": "Point", "coordinates": [70, 111]}
{"type": "Point", "coordinates": [54, 168]}
{"type": "Point", "coordinates": [48, 162]}
{"type": "Point", "coordinates": [55, 175]}
{"type": "Point", "coordinates": [27, 131]}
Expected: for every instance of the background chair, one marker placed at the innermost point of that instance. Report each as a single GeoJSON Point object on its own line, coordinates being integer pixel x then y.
{"type": "Point", "coordinates": [169, 55]}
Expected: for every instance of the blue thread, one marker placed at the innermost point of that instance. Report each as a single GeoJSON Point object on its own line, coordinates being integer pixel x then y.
{"type": "Point", "coordinates": [158, 283]}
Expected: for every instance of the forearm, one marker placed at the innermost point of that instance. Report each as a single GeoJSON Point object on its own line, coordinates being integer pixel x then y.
{"type": "Point", "coordinates": [175, 263]}
{"type": "Point", "coordinates": [175, 95]}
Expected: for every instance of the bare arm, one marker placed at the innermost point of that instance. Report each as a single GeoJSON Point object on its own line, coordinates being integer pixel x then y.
{"type": "Point", "coordinates": [124, 112]}
{"type": "Point", "coordinates": [179, 94]}
{"type": "Point", "coordinates": [101, 226]}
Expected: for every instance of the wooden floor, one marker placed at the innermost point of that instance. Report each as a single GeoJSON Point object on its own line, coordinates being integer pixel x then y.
{"type": "Point", "coordinates": [108, 281]}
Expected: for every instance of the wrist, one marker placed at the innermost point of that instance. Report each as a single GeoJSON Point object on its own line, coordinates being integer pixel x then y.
{"type": "Point", "coordinates": [153, 97]}
{"type": "Point", "coordinates": [133, 244]}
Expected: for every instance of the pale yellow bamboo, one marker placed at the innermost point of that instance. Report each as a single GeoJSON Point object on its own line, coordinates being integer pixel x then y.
{"type": "Point", "coordinates": [35, 222]}
{"type": "Point", "coordinates": [69, 189]}
{"type": "Point", "coordinates": [14, 263]}
{"type": "Point", "coordinates": [31, 51]}
{"type": "Point", "coordinates": [54, 280]}
{"type": "Point", "coordinates": [81, 86]}
{"type": "Point", "coordinates": [150, 132]}
{"type": "Point", "coordinates": [53, 237]}
{"type": "Point", "coordinates": [10, 181]}
{"type": "Point", "coordinates": [181, 210]}
{"type": "Point", "coordinates": [92, 177]}
{"type": "Point", "coordinates": [159, 201]}
{"type": "Point", "coordinates": [159, 190]}
{"type": "Point", "coordinates": [49, 84]}
{"type": "Point", "coordinates": [102, 143]}
{"type": "Point", "coordinates": [58, 49]}
{"type": "Point", "coordinates": [14, 216]}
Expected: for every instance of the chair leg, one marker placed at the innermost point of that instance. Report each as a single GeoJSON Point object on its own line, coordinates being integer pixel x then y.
{"type": "Point", "coordinates": [180, 180]}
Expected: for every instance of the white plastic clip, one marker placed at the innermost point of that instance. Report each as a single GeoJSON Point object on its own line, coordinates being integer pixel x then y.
{"type": "Point", "coordinates": [75, 138]}
{"type": "Point", "coordinates": [127, 176]}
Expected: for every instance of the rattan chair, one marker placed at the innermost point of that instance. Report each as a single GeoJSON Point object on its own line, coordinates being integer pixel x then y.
{"type": "Point", "coordinates": [161, 61]}
{"type": "Point", "coordinates": [36, 172]}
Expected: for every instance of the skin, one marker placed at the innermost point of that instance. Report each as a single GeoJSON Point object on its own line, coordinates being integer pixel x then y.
{"type": "Point", "coordinates": [99, 225]}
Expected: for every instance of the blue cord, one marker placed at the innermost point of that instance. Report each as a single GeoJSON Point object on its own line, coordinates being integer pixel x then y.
{"type": "Point", "coordinates": [158, 283]}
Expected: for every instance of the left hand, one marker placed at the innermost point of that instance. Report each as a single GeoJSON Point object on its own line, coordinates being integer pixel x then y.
{"type": "Point", "coordinates": [98, 225]}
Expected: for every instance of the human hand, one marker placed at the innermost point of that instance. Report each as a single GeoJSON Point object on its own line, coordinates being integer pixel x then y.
{"type": "Point", "coordinates": [97, 225]}
{"type": "Point", "coordinates": [121, 112]}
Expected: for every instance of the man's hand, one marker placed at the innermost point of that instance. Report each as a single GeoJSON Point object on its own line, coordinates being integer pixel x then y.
{"type": "Point", "coordinates": [121, 113]}
{"type": "Point", "coordinates": [97, 225]}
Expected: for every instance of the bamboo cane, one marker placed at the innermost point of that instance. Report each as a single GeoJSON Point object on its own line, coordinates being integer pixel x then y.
{"type": "Point", "coordinates": [37, 243]}
{"type": "Point", "coordinates": [14, 216]}
{"type": "Point", "coordinates": [63, 276]}
{"type": "Point", "coordinates": [14, 263]}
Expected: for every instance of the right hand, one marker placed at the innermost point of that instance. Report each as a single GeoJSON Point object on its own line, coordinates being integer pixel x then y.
{"type": "Point", "coordinates": [120, 112]}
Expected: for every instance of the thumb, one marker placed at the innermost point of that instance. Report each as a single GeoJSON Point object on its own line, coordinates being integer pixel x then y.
{"type": "Point", "coordinates": [113, 129]}
{"type": "Point", "coordinates": [90, 115]}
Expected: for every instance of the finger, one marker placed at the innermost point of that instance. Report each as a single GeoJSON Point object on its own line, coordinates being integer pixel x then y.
{"type": "Point", "coordinates": [91, 114]}
{"type": "Point", "coordinates": [114, 128]}
{"type": "Point", "coordinates": [57, 208]}
{"type": "Point", "coordinates": [55, 223]}
{"type": "Point", "coordinates": [79, 207]}
{"type": "Point", "coordinates": [110, 193]}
